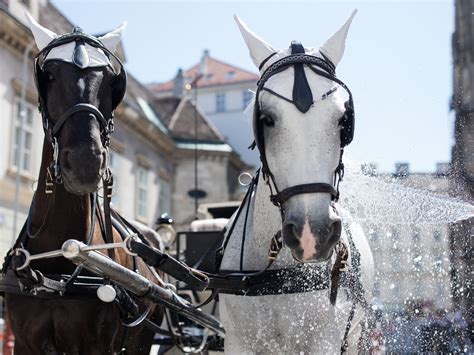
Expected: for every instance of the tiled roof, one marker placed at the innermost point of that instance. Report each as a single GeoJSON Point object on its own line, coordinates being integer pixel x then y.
{"type": "Point", "coordinates": [215, 71]}
{"type": "Point", "coordinates": [179, 115]}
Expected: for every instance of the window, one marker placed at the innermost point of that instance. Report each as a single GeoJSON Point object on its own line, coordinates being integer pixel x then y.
{"type": "Point", "coordinates": [230, 74]}
{"type": "Point", "coordinates": [142, 194]}
{"type": "Point", "coordinates": [114, 165]}
{"type": "Point", "coordinates": [247, 97]}
{"type": "Point", "coordinates": [220, 102]}
{"type": "Point", "coordinates": [164, 199]}
{"type": "Point", "coordinates": [24, 136]}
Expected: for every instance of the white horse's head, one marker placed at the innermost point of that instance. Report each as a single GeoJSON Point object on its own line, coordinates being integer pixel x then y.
{"type": "Point", "coordinates": [303, 118]}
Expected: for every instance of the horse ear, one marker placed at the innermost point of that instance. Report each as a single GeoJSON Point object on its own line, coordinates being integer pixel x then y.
{"type": "Point", "coordinates": [334, 46]}
{"type": "Point", "coordinates": [42, 35]}
{"type": "Point", "coordinates": [259, 49]}
{"type": "Point", "coordinates": [112, 39]}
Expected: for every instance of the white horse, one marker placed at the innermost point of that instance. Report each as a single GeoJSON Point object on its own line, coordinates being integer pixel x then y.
{"type": "Point", "coordinates": [299, 140]}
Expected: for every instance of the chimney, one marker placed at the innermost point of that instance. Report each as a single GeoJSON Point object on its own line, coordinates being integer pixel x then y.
{"type": "Point", "coordinates": [203, 64]}
{"type": "Point", "coordinates": [402, 170]}
{"type": "Point", "coordinates": [178, 82]}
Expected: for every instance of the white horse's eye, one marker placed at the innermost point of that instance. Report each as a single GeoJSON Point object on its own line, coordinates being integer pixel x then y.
{"type": "Point", "coordinates": [268, 120]}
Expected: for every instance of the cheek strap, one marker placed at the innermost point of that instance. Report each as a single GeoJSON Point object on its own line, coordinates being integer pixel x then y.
{"type": "Point", "coordinates": [317, 187]}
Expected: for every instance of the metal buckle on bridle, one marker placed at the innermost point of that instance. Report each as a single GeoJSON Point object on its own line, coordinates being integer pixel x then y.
{"type": "Point", "coordinates": [343, 254]}
{"type": "Point", "coordinates": [49, 182]}
{"type": "Point", "coordinates": [110, 125]}
{"type": "Point", "coordinates": [275, 247]}
{"type": "Point", "coordinates": [56, 167]}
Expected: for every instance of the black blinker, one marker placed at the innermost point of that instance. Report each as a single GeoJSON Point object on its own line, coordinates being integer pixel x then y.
{"type": "Point", "coordinates": [302, 95]}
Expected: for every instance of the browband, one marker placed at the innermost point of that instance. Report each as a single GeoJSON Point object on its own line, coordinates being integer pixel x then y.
{"type": "Point", "coordinates": [295, 59]}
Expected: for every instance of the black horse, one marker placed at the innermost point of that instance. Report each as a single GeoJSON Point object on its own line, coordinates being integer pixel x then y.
{"type": "Point", "coordinates": [55, 308]}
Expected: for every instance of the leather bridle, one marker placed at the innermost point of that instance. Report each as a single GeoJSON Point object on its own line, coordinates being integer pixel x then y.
{"type": "Point", "coordinates": [52, 128]}
{"type": "Point", "coordinates": [322, 67]}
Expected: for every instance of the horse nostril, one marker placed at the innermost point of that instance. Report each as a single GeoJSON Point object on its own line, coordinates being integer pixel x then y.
{"type": "Point", "coordinates": [290, 235]}
{"type": "Point", "coordinates": [335, 230]}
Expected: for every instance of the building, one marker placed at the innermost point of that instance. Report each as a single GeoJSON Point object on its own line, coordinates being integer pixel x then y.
{"type": "Point", "coordinates": [462, 183]}
{"type": "Point", "coordinates": [150, 155]}
{"type": "Point", "coordinates": [223, 93]}
{"type": "Point", "coordinates": [206, 168]}
{"type": "Point", "coordinates": [412, 263]}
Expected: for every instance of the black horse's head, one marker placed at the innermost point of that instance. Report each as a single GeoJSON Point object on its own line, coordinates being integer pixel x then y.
{"type": "Point", "coordinates": [82, 138]}
{"type": "Point", "coordinates": [78, 89]}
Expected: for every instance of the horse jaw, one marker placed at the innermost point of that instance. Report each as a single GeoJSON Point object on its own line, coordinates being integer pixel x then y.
{"type": "Point", "coordinates": [335, 45]}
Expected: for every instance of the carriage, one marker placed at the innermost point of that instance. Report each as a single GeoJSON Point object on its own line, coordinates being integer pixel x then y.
{"type": "Point", "coordinates": [118, 274]}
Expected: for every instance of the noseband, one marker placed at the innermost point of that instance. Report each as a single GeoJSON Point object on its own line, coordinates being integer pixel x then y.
{"type": "Point", "coordinates": [302, 99]}
{"type": "Point", "coordinates": [51, 128]}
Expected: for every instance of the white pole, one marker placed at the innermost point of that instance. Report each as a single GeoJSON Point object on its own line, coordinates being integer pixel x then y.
{"type": "Point", "coordinates": [22, 114]}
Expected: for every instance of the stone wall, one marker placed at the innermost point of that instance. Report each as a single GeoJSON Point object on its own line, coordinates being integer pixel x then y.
{"type": "Point", "coordinates": [212, 178]}
{"type": "Point", "coordinates": [462, 182]}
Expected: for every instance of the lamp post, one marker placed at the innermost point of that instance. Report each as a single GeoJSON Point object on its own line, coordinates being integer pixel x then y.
{"type": "Point", "coordinates": [190, 86]}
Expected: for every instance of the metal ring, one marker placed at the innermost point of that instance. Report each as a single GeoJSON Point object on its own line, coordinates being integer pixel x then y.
{"type": "Point", "coordinates": [242, 182]}
{"type": "Point", "coordinates": [126, 245]}
{"type": "Point", "coordinates": [140, 318]}
{"type": "Point", "coordinates": [200, 275]}
{"type": "Point", "coordinates": [27, 258]}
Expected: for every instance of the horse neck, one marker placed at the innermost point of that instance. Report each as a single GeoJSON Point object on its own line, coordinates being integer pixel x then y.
{"type": "Point", "coordinates": [263, 222]}
{"type": "Point", "coordinates": [69, 217]}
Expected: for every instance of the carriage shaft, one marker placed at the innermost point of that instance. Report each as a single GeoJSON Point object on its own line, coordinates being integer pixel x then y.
{"type": "Point", "coordinates": [136, 283]}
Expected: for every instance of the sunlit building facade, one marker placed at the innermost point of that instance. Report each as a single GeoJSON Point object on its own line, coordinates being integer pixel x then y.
{"type": "Point", "coordinates": [412, 263]}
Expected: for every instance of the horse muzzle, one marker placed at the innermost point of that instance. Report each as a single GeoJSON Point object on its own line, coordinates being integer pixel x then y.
{"type": "Point", "coordinates": [311, 241]}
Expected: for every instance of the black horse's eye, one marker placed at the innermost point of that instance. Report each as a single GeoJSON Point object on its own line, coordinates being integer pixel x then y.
{"type": "Point", "coordinates": [49, 76]}
{"type": "Point", "coordinates": [268, 120]}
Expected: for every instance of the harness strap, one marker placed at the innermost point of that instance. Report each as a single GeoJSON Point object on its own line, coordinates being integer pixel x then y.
{"type": "Point", "coordinates": [344, 343]}
{"type": "Point", "coordinates": [272, 282]}
{"type": "Point", "coordinates": [220, 251]}
{"type": "Point", "coordinates": [109, 237]}
{"type": "Point", "coordinates": [339, 266]}
{"type": "Point", "coordinates": [289, 192]}
{"type": "Point", "coordinates": [33, 283]}
{"type": "Point", "coordinates": [154, 257]}
{"type": "Point", "coordinates": [50, 196]}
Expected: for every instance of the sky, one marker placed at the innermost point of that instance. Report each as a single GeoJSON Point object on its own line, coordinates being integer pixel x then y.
{"type": "Point", "coordinates": [397, 62]}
